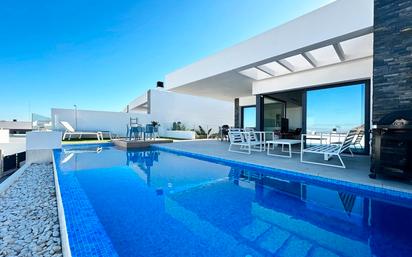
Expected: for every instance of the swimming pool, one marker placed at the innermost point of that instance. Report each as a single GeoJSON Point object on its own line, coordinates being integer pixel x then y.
{"type": "Point", "coordinates": [153, 202]}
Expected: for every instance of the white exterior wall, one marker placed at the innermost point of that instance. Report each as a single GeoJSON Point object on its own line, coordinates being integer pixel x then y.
{"type": "Point", "coordinates": [39, 145]}
{"type": "Point", "coordinates": [138, 104]}
{"type": "Point", "coordinates": [43, 140]}
{"type": "Point", "coordinates": [337, 73]}
{"type": "Point", "coordinates": [168, 107]}
{"type": "Point", "coordinates": [165, 107]}
{"type": "Point", "coordinates": [179, 134]}
{"type": "Point", "coordinates": [115, 122]}
{"type": "Point", "coordinates": [247, 100]}
{"type": "Point", "coordinates": [4, 136]}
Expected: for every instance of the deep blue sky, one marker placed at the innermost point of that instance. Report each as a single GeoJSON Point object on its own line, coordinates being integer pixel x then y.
{"type": "Point", "coordinates": [101, 54]}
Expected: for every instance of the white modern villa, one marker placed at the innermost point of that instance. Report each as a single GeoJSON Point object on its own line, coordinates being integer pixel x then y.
{"type": "Point", "coordinates": [285, 76]}
{"type": "Point", "coordinates": [334, 84]}
{"type": "Point", "coordinates": [290, 72]}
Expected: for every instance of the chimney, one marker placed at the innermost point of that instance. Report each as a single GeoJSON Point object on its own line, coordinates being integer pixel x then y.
{"type": "Point", "coordinates": [159, 84]}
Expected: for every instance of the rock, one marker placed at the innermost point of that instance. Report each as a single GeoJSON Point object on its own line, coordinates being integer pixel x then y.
{"type": "Point", "coordinates": [56, 248]}
{"type": "Point", "coordinates": [29, 219]}
{"type": "Point", "coordinates": [38, 248]}
{"type": "Point", "coordinates": [18, 248]}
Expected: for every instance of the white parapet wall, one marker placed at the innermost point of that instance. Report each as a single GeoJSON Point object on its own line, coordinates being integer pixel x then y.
{"type": "Point", "coordinates": [192, 111]}
{"type": "Point", "coordinates": [4, 136]}
{"type": "Point", "coordinates": [165, 107]}
{"type": "Point", "coordinates": [179, 134]}
{"type": "Point", "coordinates": [40, 144]}
{"type": "Point", "coordinates": [87, 120]}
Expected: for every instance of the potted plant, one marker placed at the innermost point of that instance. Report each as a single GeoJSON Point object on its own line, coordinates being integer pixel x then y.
{"type": "Point", "coordinates": [155, 123]}
{"type": "Point", "coordinates": [179, 131]}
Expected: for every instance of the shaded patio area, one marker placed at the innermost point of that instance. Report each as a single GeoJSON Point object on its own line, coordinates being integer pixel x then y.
{"type": "Point", "coordinates": [357, 167]}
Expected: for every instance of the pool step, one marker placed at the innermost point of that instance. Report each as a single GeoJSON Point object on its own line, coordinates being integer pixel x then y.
{"type": "Point", "coordinates": [281, 242]}
{"type": "Point", "coordinates": [295, 247]}
{"type": "Point", "coordinates": [273, 240]}
{"type": "Point", "coordinates": [254, 229]}
{"type": "Point", "coordinates": [322, 252]}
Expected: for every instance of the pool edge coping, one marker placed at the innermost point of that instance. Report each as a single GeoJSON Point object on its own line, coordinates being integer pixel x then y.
{"type": "Point", "coordinates": [60, 210]}
{"type": "Point", "coordinates": [392, 192]}
{"type": "Point", "coordinates": [89, 144]}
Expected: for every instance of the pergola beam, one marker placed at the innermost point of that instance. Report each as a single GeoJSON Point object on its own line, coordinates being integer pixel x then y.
{"type": "Point", "coordinates": [339, 51]}
{"type": "Point", "coordinates": [266, 70]}
{"type": "Point", "coordinates": [310, 59]}
{"type": "Point", "coordinates": [285, 64]}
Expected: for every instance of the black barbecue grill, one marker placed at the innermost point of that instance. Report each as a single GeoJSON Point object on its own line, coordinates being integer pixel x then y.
{"type": "Point", "coordinates": [392, 145]}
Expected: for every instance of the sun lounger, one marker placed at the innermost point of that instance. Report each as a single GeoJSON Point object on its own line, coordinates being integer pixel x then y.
{"type": "Point", "coordinates": [70, 131]}
{"type": "Point", "coordinates": [329, 150]}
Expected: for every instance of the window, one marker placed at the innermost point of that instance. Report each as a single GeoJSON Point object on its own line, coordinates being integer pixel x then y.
{"type": "Point", "coordinates": [335, 109]}
{"type": "Point", "coordinates": [249, 117]}
{"type": "Point", "coordinates": [273, 111]}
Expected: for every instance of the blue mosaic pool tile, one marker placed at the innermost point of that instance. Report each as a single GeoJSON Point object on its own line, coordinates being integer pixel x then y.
{"type": "Point", "coordinates": [381, 193]}
{"type": "Point", "coordinates": [86, 234]}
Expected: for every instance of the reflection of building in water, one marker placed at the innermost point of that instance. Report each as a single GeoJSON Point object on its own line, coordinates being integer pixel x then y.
{"type": "Point", "coordinates": [283, 214]}
{"type": "Point", "coordinates": [144, 160]}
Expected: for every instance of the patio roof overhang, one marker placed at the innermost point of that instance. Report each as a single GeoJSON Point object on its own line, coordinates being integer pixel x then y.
{"type": "Point", "coordinates": [336, 35]}
{"type": "Point", "coordinates": [138, 104]}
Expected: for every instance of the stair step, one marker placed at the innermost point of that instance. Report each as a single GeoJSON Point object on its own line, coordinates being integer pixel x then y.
{"type": "Point", "coordinates": [254, 229]}
{"type": "Point", "coordinates": [273, 240]}
{"type": "Point", "coordinates": [295, 247]}
{"type": "Point", "coordinates": [322, 252]}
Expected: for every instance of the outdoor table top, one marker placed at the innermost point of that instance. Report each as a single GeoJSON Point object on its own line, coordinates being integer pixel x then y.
{"type": "Point", "coordinates": [284, 141]}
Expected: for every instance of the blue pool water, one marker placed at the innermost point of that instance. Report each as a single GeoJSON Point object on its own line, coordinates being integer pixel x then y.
{"type": "Point", "coordinates": [157, 203]}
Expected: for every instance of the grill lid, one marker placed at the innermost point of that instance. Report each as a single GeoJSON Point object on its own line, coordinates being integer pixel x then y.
{"type": "Point", "coordinates": [397, 119]}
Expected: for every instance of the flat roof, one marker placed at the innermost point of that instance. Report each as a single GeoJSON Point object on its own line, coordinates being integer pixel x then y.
{"type": "Point", "coordinates": [24, 125]}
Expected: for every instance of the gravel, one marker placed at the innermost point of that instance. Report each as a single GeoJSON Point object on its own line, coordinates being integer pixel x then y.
{"type": "Point", "coordinates": [29, 223]}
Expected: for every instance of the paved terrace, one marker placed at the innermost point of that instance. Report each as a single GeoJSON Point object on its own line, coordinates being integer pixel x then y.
{"type": "Point", "coordinates": [357, 168]}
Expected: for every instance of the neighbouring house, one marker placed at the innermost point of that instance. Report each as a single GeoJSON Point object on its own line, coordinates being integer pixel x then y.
{"type": "Point", "coordinates": [16, 127]}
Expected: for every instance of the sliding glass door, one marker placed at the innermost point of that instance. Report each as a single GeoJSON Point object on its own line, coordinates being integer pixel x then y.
{"type": "Point", "coordinates": [336, 110]}
{"type": "Point", "coordinates": [273, 112]}
{"type": "Point", "coordinates": [248, 117]}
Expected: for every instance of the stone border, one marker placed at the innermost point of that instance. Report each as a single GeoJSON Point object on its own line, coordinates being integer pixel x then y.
{"type": "Point", "coordinates": [60, 210]}
{"type": "Point", "coordinates": [10, 180]}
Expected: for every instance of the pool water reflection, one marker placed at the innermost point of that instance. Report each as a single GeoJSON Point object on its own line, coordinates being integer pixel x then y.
{"type": "Point", "coordinates": [156, 203]}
